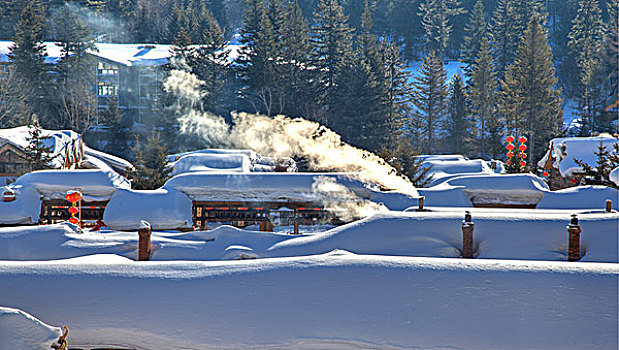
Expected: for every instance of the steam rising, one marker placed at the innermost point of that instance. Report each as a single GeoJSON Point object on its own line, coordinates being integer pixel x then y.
{"type": "Point", "coordinates": [344, 202]}
{"type": "Point", "coordinates": [280, 136]}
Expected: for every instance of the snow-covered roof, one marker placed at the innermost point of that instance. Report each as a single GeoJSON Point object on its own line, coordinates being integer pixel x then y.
{"type": "Point", "coordinates": [53, 184]}
{"type": "Point", "coordinates": [443, 169]}
{"type": "Point", "coordinates": [134, 54]}
{"type": "Point", "coordinates": [259, 186]}
{"type": "Point", "coordinates": [117, 163]}
{"type": "Point", "coordinates": [61, 142]}
{"type": "Point", "coordinates": [252, 155]}
{"type": "Point", "coordinates": [564, 150]}
{"type": "Point", "coordinates": [196, 162]}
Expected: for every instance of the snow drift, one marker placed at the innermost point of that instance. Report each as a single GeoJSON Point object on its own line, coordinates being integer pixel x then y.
{"type": "Point", "coordinates": [21, 331]}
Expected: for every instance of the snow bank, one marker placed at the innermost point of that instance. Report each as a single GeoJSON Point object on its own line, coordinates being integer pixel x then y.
{"type": "Point", "coordinates": [163, 209]}
{"type": "Point", "coordinates": [499, 234]}
{"type": "Point", "coordinates": [333, 301]}
{"type": "Point", "coordinates": [584, 197]}
{"type": "Point", "coordinates": [118, 164]}
{"type": "Point", "coordinates": [614, 176]}
{"type": "Point", "coordinates": [24, 210]}
{"type": "Point", "coordinates": [96, 185]}
{"type": "Point", "coordinates": [19, 330]}
{"type": "Point", "coordinates": [442, 170]}
{"type": "Point", "coordinates": [564, 150]}
{"type": "Point", "coordinates": [205, 186]}
{"type": "Point", "coordinates": [197, 162]}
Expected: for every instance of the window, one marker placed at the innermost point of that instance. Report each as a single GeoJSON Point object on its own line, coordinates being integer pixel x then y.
{"type": "Point", "coordinates": [107, 89]}
{"type": "Point", "coordinates": [107, 69]}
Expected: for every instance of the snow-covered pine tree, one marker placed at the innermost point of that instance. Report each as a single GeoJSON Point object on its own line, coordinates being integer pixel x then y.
{"type": "Point", "coordinates": [151, 166]}
{"type": "Point", "coordinates": [429, 96]}
{"type": "Point", "coordinates": [606, 161]}
{"type": "Point", "coordinates": [530, 100]}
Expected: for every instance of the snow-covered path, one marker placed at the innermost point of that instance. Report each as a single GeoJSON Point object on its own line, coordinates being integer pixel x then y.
{"type": "Point", "coordinates": [337, 300]}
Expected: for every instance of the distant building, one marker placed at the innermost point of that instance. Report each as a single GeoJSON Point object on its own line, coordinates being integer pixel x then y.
{"type": "Point", "coordinates": [131, 73]}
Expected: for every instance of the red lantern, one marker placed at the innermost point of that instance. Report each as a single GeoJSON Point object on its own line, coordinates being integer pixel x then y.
{"type": "Point", "coordinates": [509, 162]}
{"type": "Point", "coordinates": [510, 146]}
{"type": "Point", "coordinates": [522, 147]}
{"type": "Point", "coordinates": [73, 210]}
{"type": "Point", "coordinates": [545, 173]}
{"type": "Point", "coordinates": [573, 180]}
{"type": "Point", "coordinates": [509, 139]}
{"type": "Point", "coordinates": [522, 155]}
{"type": "Point", "coordinates": [73, 220]}
{"type": "Point", "coordinates": [523, 163]}
{"type": "Point", "coordinates": [522, 139]}
{"type": "Point", "coordinates": [509, 154]}
{"type": "Point", "coordinates": [73, 196]}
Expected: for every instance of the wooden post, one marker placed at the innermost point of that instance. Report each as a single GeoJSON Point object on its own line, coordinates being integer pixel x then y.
{"type": "Point", "coordinates": [421, 200]}
{"type": "Point", "coordinates": [467, 236]}
{"type": "Point", "coordinates": [266, 226]}
{"type": "Point", "coordinates": [609, 205]}
{"type": "Point", "coordinates": [573, 230]}
{"type": "Point", "coordinates": [296, 227]}
{"type": "Point", "coordinates": [144, 233]}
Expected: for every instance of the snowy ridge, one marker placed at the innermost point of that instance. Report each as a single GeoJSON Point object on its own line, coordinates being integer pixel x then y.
{"type": "Point", "coordinates": [338, 298]}
{"type": "Point", "coordinates": [21, 331]}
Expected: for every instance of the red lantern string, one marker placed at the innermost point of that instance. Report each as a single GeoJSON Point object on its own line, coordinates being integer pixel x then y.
{"type": "Point", "coordinates": [509, 139]}
{"type": "Point", "coordinates": [522, 147]}
{"type": "Point", "coordinates": [509, 154]}
{"type": "Point", "coordinates": [545, 173]}
{"type": "Point", "coordinates": [523, 163]}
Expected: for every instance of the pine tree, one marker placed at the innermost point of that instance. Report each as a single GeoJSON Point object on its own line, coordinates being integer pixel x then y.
{"type": "Point", "coordinates": [10, 11]}
{"type": "Point", "coordinates": [331, 40]}
{"type": "Point", "coordinates": [483, 94]}
{"type": "Point", "coordinates": [437, 17]}
{"type": "Point", "coordinates": [74, 73]}
{"type": "Point", "coordinates": [151, 166]}
{"type": "Point", "coordinates": [398, 90]}
{"type": "Point", "coordinates": [585, 44]}
{"type": "Point", "coordinates": [474, 31]}
{"type": "Point", "coordinates": [117, 132]}
{"type": "Point", "coordinates": [28, 66]}
{"type": "Point", "coordinates": [458, 123]}
{"type": "Point", "coordinates": [509, 21]}
{"type": "Point", "coordinates": [406, 161]}
{"type": "Point", "coordinates": [611, 63]}
{"type": "Point", "coordinates": [606, 161]}
{"type": "Point", "coordinates": [429, 97]}
{"type": "Point", "coordinates": [530, 101]}
{"type": "Point", "coordinates": [37, 154]}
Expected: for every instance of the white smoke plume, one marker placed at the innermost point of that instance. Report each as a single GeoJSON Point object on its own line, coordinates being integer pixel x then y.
{"type": "Point", "coordinates": [281, 136]}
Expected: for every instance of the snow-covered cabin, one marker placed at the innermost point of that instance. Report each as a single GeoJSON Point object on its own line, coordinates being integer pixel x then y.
{"type": "Point", "coordinates": [227, 160]}
{"type": "Point", "coordinates": [559, 160]}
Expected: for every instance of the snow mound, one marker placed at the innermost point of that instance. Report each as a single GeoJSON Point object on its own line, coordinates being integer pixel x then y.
{"type": "Point", "coordinates": [163, 209]}
{"type": "Point", "coordinates": [614, 176]}
{"type": "Point", "coordinates": [563, 151]}
{"type": "Point", "coordinates": [22, 331]}
{"type": "Point", "coordinates": [252, 155]}
{"type": "Point", "coordinates": [24, 210]}
{"type": "Point", "coordinates": [197, 162]}
{"type": "Point", "coordinates": [443, 169]}
{"type": "Point", "coordinates": [583, 197]}
{"type": "Point", "coordinates": [206, 186]}
{"type": "Point", "coordinates": [118, 164]}
{"type": "Point", "coordinates": [96, 185]}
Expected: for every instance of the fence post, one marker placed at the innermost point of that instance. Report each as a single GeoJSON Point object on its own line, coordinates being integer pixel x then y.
{"type": "Point", "coordinates": [421, 200]}
{"type": "Point", "coordinates": [609, 205]}
{"type": "Point", "coordinates": [573, 230]}
{"type": "Point", "coordinates": [144, 233]}
{"type": "Point", "coordinates": [467, 236]}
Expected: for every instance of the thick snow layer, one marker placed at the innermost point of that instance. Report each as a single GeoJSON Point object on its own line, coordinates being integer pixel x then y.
{"type": "Point", "coordinates": [565, 150]}
{"type": "Point", "coordinates": [134, 54]}
{"type": "Point", "coordinates": [24, 210]}
{"type": "Point", "coordinates": [499, 234]}
{"type": "Point", "coordinates": [253, 156]}
{"type": "Point", "coordinates": [163, 209]}
{"type": "Point", "coordinates": [495, 189]}
{"type": "Point", "coordinates": [21, 331]}
{"type": "Point", "coordinates": [62, 143]}
{"type": "Point", "coordinates": [441, 170]}
{"type": "Point", "coordinates": [333, 301]}
{"type": "Point", "coordinates": [96, 185]}
{"type": "Point", "coordinates": [590, 197]}
{"type": "Point", "coordinates": [196, 162]}
{"type": "Point", "coordinates": [283, 187]}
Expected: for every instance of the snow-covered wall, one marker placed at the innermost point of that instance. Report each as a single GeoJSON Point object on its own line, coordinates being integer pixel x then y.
{"type": "Point", "coordinates": [332, 301]}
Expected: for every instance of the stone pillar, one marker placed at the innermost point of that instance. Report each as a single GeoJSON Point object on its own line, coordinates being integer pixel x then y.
{"type": "Point", "coordinates": [467, 236]}
{"type": "Point", "coordinates": [573, 230]}
{"type": "Point", "coordinates": [144, 233]}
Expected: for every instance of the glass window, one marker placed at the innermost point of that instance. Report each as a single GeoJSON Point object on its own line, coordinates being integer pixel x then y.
{"type": "Point", "coordinates": [107, 69]}
{"type": "Point", "coordinates": [107, 89]}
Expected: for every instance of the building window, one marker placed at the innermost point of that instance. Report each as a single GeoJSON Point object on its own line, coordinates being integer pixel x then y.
{"type": "Point", "coordinates": [107, 89]}
{"type": "Point", "coordinates": [107, 69]}
{"type": "Point", "coordinates": [4, 70]}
